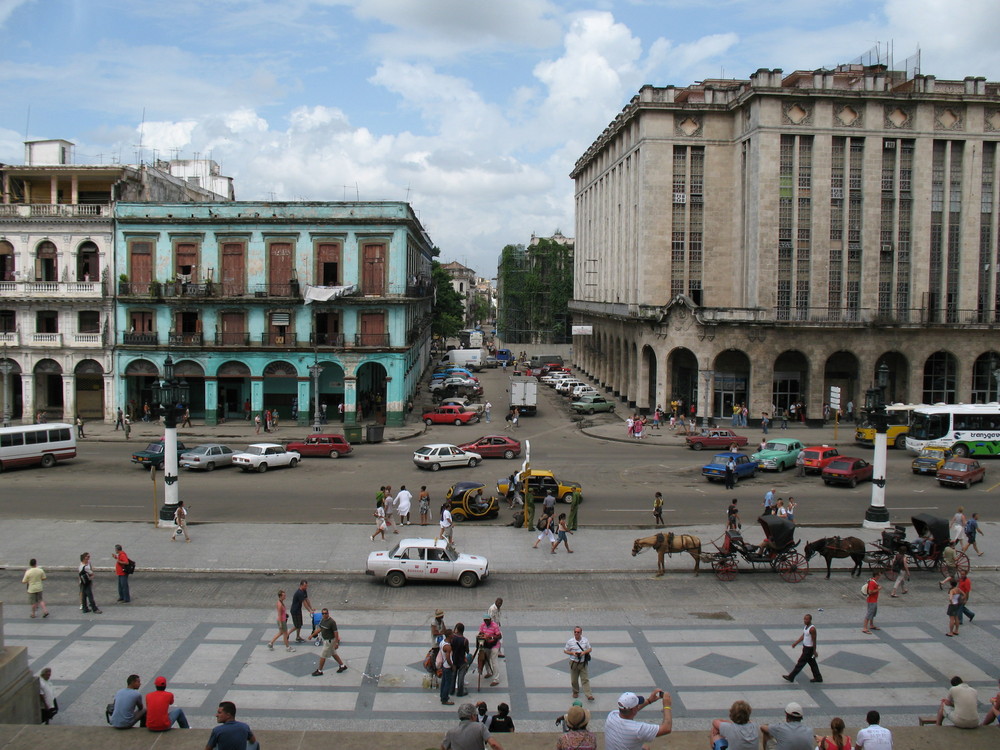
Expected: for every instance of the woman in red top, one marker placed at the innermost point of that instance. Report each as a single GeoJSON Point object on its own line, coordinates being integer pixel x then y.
{"type": "Point", "coordinates": [282, 623]}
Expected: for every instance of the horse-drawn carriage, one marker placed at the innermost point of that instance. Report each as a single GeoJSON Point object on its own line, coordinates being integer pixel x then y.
{"type": "Point", "coordinates": [778, 551]}
{"type": "Point", "coordinates": [933, 535]}
{"type": "Point", "coordinates": [926, 551]}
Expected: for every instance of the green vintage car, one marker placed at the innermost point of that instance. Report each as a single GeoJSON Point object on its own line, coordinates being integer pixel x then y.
{"type": "Point", "coordinates": [591, 404]}
{"type": "Point", "coordinates": [778, 454]}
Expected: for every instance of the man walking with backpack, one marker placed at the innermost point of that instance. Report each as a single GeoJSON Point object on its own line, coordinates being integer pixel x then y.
{"type": "Point", "coordinates": [123, 569]}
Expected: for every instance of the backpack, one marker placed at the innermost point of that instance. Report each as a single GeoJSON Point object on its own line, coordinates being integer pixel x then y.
{"type": "Point", "coordinates": [129, 567]}
{"type": "Point", "coordinates": [864, 590]}
{"type": "Point", "coordinates": [542, 524]}
{"type": "Point", "coordinates": [970, 527]}
{"type": "Point", "coordinates": [84, 578]}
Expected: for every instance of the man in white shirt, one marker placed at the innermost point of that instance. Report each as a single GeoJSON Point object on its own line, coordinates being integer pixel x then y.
{"type": "Point", "coordinates": [623, 732]}
{"type": "Point", "coordinates": [488, 411]}
{"type": "Point", "coordinates": [873, 736]}
{"type": "Point", "coordinates": [403, 500]}
{"type": "Point", "coordinates": [578, 649]}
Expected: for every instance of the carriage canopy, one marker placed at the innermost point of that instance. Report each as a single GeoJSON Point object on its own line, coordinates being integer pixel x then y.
{"type": "Point", "coordinates": [938, 527]}
{"type": "Point", "coordinates": [779, 530]}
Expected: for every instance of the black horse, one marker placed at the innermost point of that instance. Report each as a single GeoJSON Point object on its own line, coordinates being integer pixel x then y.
{"type": "Point", "coordinates": [838, 546]}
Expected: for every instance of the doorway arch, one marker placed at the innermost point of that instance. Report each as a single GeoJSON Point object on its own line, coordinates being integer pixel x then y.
{"type": "Point", "coordinates": [89, 389]}
{"type": "Point", "coordinates": [371, 393]}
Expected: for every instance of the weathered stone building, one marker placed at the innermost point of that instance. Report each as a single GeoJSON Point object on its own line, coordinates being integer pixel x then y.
{"type": "Point", "coordinates": [762, 240]}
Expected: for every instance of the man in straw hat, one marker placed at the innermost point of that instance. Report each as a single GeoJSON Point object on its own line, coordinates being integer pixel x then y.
{"type": "Point", "coordinates": [576, 736]}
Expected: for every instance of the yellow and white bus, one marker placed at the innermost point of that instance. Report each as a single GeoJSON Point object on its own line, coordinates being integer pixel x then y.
{"type": "Point", "coordinates": [36, 444]}
{"type": "Point", "coordinates": [899, 418]}
{"type": "Point", "coordinates": [967, 429]}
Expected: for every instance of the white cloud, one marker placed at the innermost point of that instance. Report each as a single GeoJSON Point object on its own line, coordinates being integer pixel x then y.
{"type": "Point", "coordinates": [7, 8]}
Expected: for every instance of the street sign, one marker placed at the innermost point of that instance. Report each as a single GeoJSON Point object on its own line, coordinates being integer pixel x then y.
{"type": "Point", "coordinates": [834, 396]}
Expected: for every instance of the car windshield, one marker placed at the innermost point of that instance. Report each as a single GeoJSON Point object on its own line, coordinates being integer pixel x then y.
{"type": "Point", "coordinates": [425, 451]}
{"type": "Point", "coordinates": [931, 453]}
{"type": "Point", "coordinates": [394, 552]}
{"type": "Point", "coordinates": [255, 450]}
{"type": "Point", "coordinates": [840, 465]}
{"type": "Point", "coordinates": [200, 450]}
{"type": "Point", "coordinates": [956, 466]}
{"type": "Point", "coordinates": [775, 447]}
{"type": "Point", "coordinates": [721, 458]}
{"type": "Point", "coordinates": [154, 448]}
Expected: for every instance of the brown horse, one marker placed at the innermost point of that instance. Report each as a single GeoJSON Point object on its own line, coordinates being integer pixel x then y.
{"type": "Point", "coordinates": [837, 546]}
{"type": "Point", "coordinates": [668, 544]}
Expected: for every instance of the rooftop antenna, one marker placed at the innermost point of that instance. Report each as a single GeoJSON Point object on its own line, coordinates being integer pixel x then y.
{"type": "Point", "coordinates": [407, 193]}
{"type": "Point", "coordinates": [27, 122]}
{"type": "Point", "coordinates": [142, 127]}
{"type": "Point", "coordinates": [357, 193]}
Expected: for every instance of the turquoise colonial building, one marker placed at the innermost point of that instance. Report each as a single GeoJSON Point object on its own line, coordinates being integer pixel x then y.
{"type": "Point", "coordinates": [247, 297]}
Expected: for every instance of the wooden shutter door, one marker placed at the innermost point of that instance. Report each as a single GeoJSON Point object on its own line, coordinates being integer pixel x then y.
{"type": "Point", "coordinates": [280, 268]}
{"type": "Point", "coordinates": [372, 329]}
{"type": "Point", "coordinates": [233, 270]}
{"type": "Point", "coordinates": [373, 270]}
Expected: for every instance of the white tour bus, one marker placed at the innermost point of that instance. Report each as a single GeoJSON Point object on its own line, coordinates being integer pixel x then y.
{"type": "Point", "coordinates": [36, 444]}
{"type": "Point", "coordinates": [968, 429]}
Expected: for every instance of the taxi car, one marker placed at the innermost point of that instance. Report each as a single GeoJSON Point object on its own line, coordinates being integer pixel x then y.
{"type": "Point", "coordinates": [592, 403]}
{"type": "Point", "coordinates": [930, 459]}
{"type": "Point", "coordinates": [322, 446]}
{"type": "Point", "coordinates": [961, 472]}
{"type": "Point", "coordinates": [206, 457]}
{"type": "Point", "coordinates": [715, 439]}
{"type": "Point", "coordinates": [264, 456]}
{"type": "Point", "coordinates": [444, 456]}
{"type": "Point", "coordinates": [541, 482]}
{"type": "Point", "coordinates": [817, 457]}
{"type": "Point", "coordinates": [426, 560]}
{"type": "Point", "coordinates": [715, 471]}
{"type": "Point", "coordinates": [847, 470]}
{"type": "Point", "coordinates": [464, 403]}
{"type": "Point", "coordinates": [494, 446]}
{"type": "Point", "coordinates": [778, 454]}
{"type": "Point", "coordinates": [450, 415]}
{"type": "Point", "coordinates": [468, 502]}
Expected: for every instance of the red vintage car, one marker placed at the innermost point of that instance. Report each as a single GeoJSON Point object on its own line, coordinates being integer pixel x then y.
{"type": "Point", "coordinates": [494, 446]}
{"type": "Point", "coordinates": [815, 458]}
{"type": "Point", "coordinates": [450, 415]}
{"type": "Point", "coordinates": [847, 470]}
{"type": "Point", "coordinates": [715, 438]}
{"type": "Point", "coordinates": [961, 472]}
{"type": "Point", "coordinates": [333, 446]}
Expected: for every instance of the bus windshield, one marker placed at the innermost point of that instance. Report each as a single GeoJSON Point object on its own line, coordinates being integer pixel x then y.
{"type": "Point", "coordinates": [930, 426]}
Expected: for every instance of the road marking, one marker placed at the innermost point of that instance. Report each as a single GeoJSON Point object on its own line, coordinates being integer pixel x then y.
{"type": "Point", "coordinates": [993, 487]}
{"type": "Point", "coordinates": [919, 507]}
{"type": "Point", "coordinates": [112, 506]}
{"type": "Point", "coordinates": [631, 510]}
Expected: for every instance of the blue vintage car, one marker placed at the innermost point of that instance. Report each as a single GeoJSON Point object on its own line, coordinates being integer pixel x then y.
{"type": "Point", "coordinates": [716, 470]}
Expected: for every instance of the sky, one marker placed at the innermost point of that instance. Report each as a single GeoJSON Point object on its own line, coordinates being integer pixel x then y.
{"type": "Point", "coordinates": [474, 111]}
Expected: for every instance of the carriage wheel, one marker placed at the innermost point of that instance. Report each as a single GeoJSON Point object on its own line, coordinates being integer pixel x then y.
{"type": "Point", "coordinates": [962, 562]}
{"type": "Point", "coordinates": [793, 568]}
{"type": "Point", "coordinates": [889, 573]}
{"type": "Point", "coordinates": [925, 562]}
{"type": "Point", "coordinates": [725, 569]}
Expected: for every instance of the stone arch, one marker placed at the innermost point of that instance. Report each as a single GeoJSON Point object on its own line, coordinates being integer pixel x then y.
{"type": "Point", "coordinates": [140, 374]}
{"type": "Point", "coordinates": [842, 370]}
{"type": "Point", "coordinates": [898, 388]}
{"type": "Point", "coordinates": [682, 369]}
{"type": "Point", "coordinates": [986, 378]}
{"type": "Point", "coordinates": [11, 394]}
{"type": "Point", "coordinates": [89, 389]}
{"type": "Point", "coordinates": [8, 261]}
{"type": "Point", "coordinates": [648, 378]}
{"type": "Point", "coordinates": [87, 260]}
{"type": "Point", "coordinates": [790, 384]}
{"type": "Point", "coordinates": [940, 382]}
{"type": "Point", "coordinates": [194, 374]}
{"type": "Point", "coordinates": [730, 383]}
{"type": "Point", "coordinates": [46, 261]}
{"type": "Point", "coordinates": [331, 387]}
{"type": "Point", "coordinates": [281, 383]}
{"type": "Point", "coordinates": [48, 388]}
{"type": "Point", "coordinates": [232, 378]}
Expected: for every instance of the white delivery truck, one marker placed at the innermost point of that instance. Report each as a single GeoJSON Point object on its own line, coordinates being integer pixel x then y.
{"type": "Point", "coordinates": [524, 395]}
{"type": "Point", "coordinates": [470, 359]}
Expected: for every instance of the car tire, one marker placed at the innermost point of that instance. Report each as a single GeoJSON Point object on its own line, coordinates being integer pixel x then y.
{"type": "Point", "coordinates": [48, 461]}
{"type": "Point", "coordinates": [468, 580]}
{"type": "Point", "coordinates": [395, 579]}
{"type": "Point", "coordinates": [696, 446]}
{"type": "Point", "coordinates": [210, 466]}
{"type": "Point", "coordinates": [508, 454]}
{"type": "Point", "coordinates": [434, 467]}
{"type": "Point", "coordinates": [293, 463]}
{"type": "Point", "coordinates": [262, 468]}
{"type": "Point", "coordinates": [590, 412]}
{"type": "Point", "coordinates": [458, 422]}
{"type": "Point", "coordinates": [244, 469]}
{"type": "Point", "coordinates": [753, 474]}
{"type": "Point", "coordinates": [826, 482]}
{"type": "Point", "coordinates": [961, 451]}
{"type": "Point", "coordinates": [473, 462]}
{"type": "Point", "coordinates": [458, 515]}
{"type": "Point", "coordinates": [428, 422]}
{"type": "Point", "coordinates": [611, 409]}
{"type": "Point", "coordinates": [854, 482]}
{"type": "Point", "coordinates": [334, 454]}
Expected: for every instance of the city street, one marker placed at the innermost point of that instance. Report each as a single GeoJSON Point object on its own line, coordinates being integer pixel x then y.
{"type": "Point", "coordinates": [619, 476]}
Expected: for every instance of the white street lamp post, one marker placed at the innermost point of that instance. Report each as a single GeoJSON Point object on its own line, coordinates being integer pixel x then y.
{"type": "Point", "coordinates": [877, 515]}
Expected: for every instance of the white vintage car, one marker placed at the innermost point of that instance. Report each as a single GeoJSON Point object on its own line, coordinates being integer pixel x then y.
{"type": "Point", "coordinates": [264, 456]}
{"type": "Point", "coordinates": [426, 560]}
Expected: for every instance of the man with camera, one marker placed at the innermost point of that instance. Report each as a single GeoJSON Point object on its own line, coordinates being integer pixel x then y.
{"type": "Point", "coordinates": [578, 648]}
{"type": "Point", "coordinates": [622, 732]}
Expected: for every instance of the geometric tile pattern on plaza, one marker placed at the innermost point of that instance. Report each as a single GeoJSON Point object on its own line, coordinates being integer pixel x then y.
{"type": "Point", "coordinates": [902, 670]}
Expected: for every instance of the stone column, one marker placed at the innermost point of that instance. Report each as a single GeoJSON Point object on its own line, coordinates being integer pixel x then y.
{"type": "Point", "coordinates": [19, 688]}
{"type": "Point", "coordinates": [69, 397]}
{"type": "Point", "coordinates": [212, 401]}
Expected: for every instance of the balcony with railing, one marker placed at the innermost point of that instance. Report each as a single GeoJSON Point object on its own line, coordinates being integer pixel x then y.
{"type": "Point", "coordinates": [11, 338]}
{"type": "Point", "coordinates": [327, 340]}
{"type": "Point", "coordinates": [50, 211]}
{"type": "Point", "coordinates": [88, 339]}
{"type": "Point", "coordinates": [145, 338]}
{"type": "Point", "coordinates": [233, 338]}
{"type": "Point", "coordinates": [291, 289]}
{"type": "Point", "coordinates": [52, 289]}
{"type": "Point", "coordinates": [184, 339]}
{"type": "Point", "coordinates": [371, 340]}
{"type": "Point", "coordinates": [46, 339]}
{"type": "Point", "coordinates": [286, 340]}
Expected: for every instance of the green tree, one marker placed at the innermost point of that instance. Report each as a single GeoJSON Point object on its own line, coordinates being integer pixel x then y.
{"type": "Point", "coordinates": [536, 285]}
{"type": "Point", "coordinates": [448, 313]}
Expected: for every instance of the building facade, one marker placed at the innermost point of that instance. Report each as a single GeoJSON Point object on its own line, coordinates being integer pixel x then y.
{"type": "Point", "coordinates": [56, 288]}
{"type": "Point", "coordinates": [760, 241]}
{"type": "Point", "coordinates": [247, 297]}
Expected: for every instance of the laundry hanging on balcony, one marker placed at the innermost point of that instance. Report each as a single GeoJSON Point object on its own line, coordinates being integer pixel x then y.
{"type": "Point", "coordinates": [327, 293]}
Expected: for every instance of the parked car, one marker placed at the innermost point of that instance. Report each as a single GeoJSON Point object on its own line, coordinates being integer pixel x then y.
{"type": "Point", "coordinates": [963, 472]}
{"type": "Point", "coordinates": [152, 455]}
{"type": "Point", "coordinates": [469, 501]}
{"type": "Point", "coordinates": [715, 471]}
{"type": "Point", "coordinates": [426, 560]}
{"type": "Point", "coordinates": [847, 470]}
{"type": "Point", "coordinates": [322, 446]}
{"type": "Point", "coordinates": [816, 458]}
{"type": "Point", "coordinates": [554, 380]}
{"type": "Point", "coordinates": [207, 457]}
{"type": "Point", "coordinates": [450, 415]}
{"type": "Point", "coordinates": [778, 454]}
{"type": "Point", "coordinates": [444, 372]}
{"type": "Point", "coordinates": [491, 362]}
{"type": "Point", "coordinates": [541, 482]}
{"type": "Point", "coordinates": [264, 456]}
{"type": "Point", "coordinates": [444, 456]}
{"type": "Point", "coordinates": [494, 446]}
{"type": "Point", "coordinates": [591, 404]}
{"type": "Point", "coordinates": [583, 390]}
{"type": "Point", "coordinates": [715, 438]}
{"type": "Point", "coordinates": [463, 402]}
{"type": "Point", "coordinates": [565, 387]}
{"type": "Point", "coordinates": [930, 459]}
{"type": "Point", "coordinates": [456, 384]}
